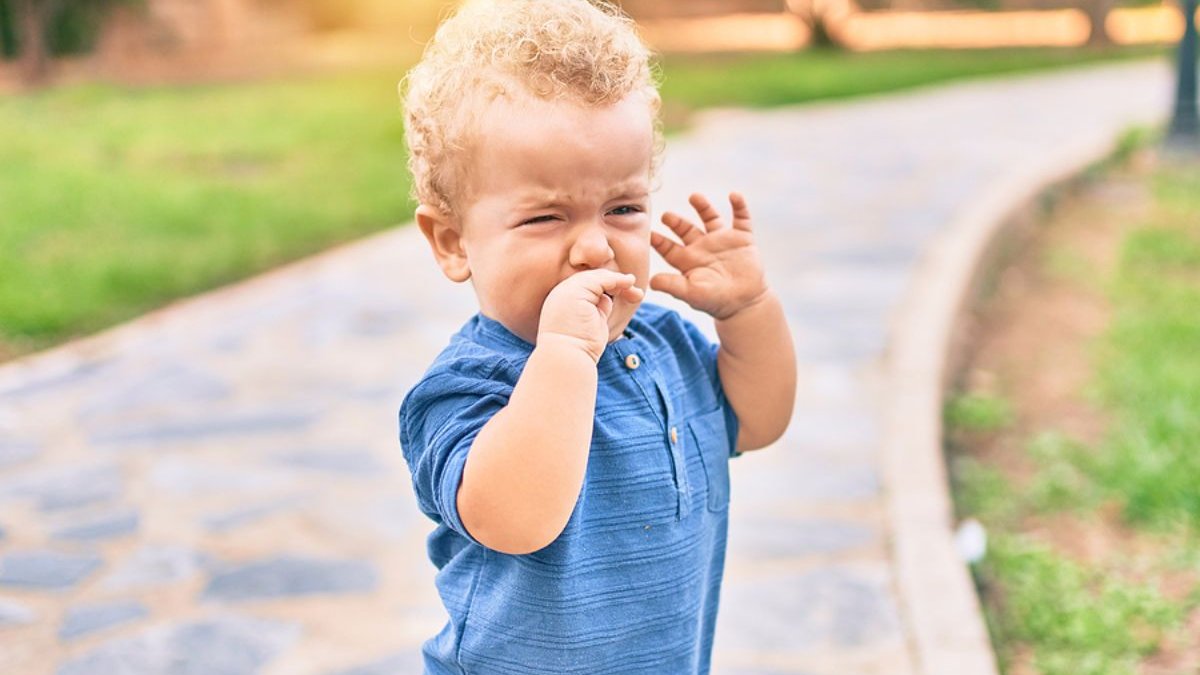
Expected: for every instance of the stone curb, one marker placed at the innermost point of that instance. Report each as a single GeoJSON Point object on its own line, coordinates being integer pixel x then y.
{"type": "Point", "coordinates": [947, 632]}
{"type": "Point", "coordinates": [175, 318]}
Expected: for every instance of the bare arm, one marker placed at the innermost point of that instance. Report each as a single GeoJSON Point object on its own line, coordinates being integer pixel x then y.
{"type": "Point", "coordinates": [757, 366]}
{"type": "Point", "coordinates": [526, 467]}
{"type": "Point", "coordinates": [721, 274]}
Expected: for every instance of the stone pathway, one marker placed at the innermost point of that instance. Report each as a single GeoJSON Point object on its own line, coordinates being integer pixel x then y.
{"type": "Point", "coordinates": [217, 488]}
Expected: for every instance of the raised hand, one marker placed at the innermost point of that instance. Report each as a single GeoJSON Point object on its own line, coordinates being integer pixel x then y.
{"type": "Point", "coordinates": [720, 270]}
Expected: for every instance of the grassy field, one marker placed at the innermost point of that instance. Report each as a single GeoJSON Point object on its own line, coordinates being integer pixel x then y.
{"type": "Point", "coordinates": [117, 201]}
{"type": "Point", "coordinates": [780, 79]}
{"type": "Point", "coordinates": [1094, 563]}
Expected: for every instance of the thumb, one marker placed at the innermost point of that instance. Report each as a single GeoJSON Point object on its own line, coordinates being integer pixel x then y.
{"type": "Point", "coordinates": [671, 284]}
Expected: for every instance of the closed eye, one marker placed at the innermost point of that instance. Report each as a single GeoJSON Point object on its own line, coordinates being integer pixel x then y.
{"type": "Point", "coordinates": [538, 219]}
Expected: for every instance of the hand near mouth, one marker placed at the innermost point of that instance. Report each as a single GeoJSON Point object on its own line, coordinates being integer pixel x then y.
{"type": "Point", "coordinates": [578, 308]}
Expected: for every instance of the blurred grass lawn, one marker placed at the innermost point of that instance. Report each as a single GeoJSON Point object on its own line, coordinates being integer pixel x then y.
{"type": "Point", "coordinates": [1109, 618]}
{"type": "Point", "coordinates": [116, 201]}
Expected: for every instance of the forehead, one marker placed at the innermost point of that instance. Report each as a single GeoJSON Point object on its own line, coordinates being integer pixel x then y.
{"type": "Point", "coordinates": [546, 146]}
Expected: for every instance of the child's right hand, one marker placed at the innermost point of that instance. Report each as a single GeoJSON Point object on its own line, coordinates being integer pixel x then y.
{"type": "Point", "coordinates": [578, 308]}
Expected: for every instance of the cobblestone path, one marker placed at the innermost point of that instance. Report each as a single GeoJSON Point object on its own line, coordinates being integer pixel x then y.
{"type": "Point", "coordinates": [219, 484]}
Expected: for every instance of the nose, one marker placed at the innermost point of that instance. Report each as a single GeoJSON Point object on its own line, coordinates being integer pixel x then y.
{"type": "Point", "coordinates": [590, 249]}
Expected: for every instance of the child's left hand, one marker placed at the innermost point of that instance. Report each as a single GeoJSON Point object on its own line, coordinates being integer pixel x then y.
{"type": "Point", "coordinates": [721, 270]}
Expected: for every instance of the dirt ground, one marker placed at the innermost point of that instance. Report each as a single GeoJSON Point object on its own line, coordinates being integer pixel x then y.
{"type": "Point", "coordinates": [1029, 341]}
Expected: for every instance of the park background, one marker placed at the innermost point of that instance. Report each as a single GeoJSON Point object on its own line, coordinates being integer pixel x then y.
{"type": "Point", "coordinates": [152, 151]}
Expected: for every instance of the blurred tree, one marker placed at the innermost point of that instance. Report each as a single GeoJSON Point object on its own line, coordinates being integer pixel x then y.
{"type": "Point", "coordinates": [44, 28]}
{"type": "Point", "coordinates": [30, 17]}
{"type": "Point", "coordinates": [1184, 132]}
{"type": "Point", "coordinates": [1097, 11]}
{"type": "Point", "coordinates": [8, 34]}
{"type": "Point", "coordinates": [818, 16]}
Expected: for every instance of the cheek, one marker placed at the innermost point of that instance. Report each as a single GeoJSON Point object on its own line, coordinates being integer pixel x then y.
{"type": "Point", "coordinates": [633, 252]}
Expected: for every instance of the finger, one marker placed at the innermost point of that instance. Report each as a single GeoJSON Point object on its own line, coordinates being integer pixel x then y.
{"type": "Point", "coordinates": [633, 294]}
{"type": "Point", "coordinates": [684, 229]}
{"type": "Point", "coordinates": [605, 304]}
{"type": "Point", "coordinates": [671, 284]}
{"type": "Point", "coordinates": [704, 209]}
{"type": "Point", "coordinates": [741, 212]}
{"type": "Point", "coordinates": [670, 251]}
{"type": "Point", "coordinates": [601, 281]}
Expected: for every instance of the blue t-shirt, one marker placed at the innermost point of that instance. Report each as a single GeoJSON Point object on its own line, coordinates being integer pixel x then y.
{"type": "Point", "coordinates": [631, 584]}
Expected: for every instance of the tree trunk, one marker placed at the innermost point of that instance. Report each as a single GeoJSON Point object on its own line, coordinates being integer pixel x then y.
{"type": "Point", "coordinates": [817, 16]}
{"type": "Point", "coordinates": [31, 33]}
{"type": "Point", "coordinates": [1097, 12]}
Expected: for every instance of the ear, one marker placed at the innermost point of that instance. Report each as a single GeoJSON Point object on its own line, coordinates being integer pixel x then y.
{"type": "Point", "coordinates": [444, 234]}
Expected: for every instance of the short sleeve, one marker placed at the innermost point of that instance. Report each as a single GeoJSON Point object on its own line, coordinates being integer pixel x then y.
{"type": "Point", "coordinates": [439, 420]}
{"type": "Point", "coordinates": [707, 349]}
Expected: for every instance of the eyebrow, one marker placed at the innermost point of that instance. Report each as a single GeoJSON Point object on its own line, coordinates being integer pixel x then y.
{"type": "Point", "coordinates": [552, 199]}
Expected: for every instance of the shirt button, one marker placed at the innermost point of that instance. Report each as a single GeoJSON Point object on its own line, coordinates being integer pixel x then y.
{"type": "Point", "coordinates": [674, 435]}
{"type": "Point", "coordinates": [632, 362]}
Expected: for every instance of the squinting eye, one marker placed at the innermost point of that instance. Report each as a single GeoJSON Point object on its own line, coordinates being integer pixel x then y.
{"type": "Point", "coordinates": [626, 210]}
{"type": "Point", "coordinates": [539, 219]}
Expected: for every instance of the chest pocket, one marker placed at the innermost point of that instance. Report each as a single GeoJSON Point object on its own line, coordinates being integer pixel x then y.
{"type": "Point", "coordinates": [709, 435]}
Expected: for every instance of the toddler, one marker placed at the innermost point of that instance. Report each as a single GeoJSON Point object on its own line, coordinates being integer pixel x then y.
{"type": "Point", "coordinates": [572, 441]}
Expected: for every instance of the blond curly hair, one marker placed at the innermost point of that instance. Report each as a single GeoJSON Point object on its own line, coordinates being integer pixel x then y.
{"type": "Point", "coordinates": [585, 51]}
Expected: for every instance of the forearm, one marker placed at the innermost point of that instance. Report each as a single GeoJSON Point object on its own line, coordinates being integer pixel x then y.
{"type": "Point", "coordinates": [757, 366]}
{"type": "Point", "coordinates": [526, 467]}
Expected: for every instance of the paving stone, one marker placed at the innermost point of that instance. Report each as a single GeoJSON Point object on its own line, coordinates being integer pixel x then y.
{"type": "Point", "coordinates": [172, 384]}
{"type": "Point", "coordinates": [289, 577]}
{"type": "Point", "coordinates": [13, 613]}
{"type": "Point", "coordinates": [106, 527]}
{"type": "Point", "coordinates": [216, 425]}
{"type": "Point", "coordinates": [345, 461]}
{"type": "Point", "coordinates": [402, 663]}
{"type": "Point", "coordinates": [821, 427]}
{"type": "Point", "coordinates": [393, 515]}
{"type": "Point", "coordinates": [870, 286]}
{"type": "Point", "coordinates": [224, 522]}
{"type": "Point", "coordinates": [826, 608]}
{"type": "Point", "coordinates": [38, 384]}
{"type": "Point", "coordinates": [836, 482]}
{"type": "Point", "coordinates": [765, 537]}
{"type": "Point", "coordinates": [852, 340]}
{"type": "Point", "coordinates": [759, 670]}
{"type": "Point", "coordinates": [188, 477]}
{"type": "Point", "coordinates": [58, 488]}
{"type": "Point", "coordinates": [157, 565]}
{"type": "Point", "coordinates": [46, 570]}
{"type": "Point", "coordinates": [346, 316]}
{"type": "Point", "coordinates": [13, 452]}
{"type": "Point", "coordinates": [224, 645]}
{"type": "Point", "coordinates": [85, 619]}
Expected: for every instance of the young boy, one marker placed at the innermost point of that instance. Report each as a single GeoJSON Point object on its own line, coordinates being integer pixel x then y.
{"type": "Point", "coordinates": [572, 442]}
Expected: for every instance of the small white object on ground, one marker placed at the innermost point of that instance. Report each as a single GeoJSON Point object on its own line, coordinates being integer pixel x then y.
{"type": "Point", "coordinates": [971, 540]}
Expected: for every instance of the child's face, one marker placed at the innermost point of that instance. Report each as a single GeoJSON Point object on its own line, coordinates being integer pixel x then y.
{"type": "Point", "coordinates": [556, 188]}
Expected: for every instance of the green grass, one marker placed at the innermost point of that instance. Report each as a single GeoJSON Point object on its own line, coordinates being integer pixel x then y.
{"type": "Point", "coordinates": [116, 201]}
{"type": "Point", "coordinates": [1108, 616]}
{"type": "Point", "coordinates": [813, 75]}
{"type": "Point", "coordinates": [1082, 620]}
{"type": "Point", "coordinates": [1150, 365]}
{"type": "Point", "coordinates": [977, 412]}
